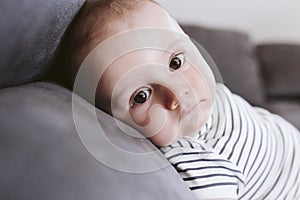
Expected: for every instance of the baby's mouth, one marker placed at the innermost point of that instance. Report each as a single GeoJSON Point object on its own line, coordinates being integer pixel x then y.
{"type": "Point", "coordinates": [194, 107]}
{"type": "Point", "coordinates": [188, 111]}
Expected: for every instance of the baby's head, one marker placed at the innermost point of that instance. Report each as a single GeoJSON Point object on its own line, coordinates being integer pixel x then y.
{"type": "Point", "coordinates": [165, 91]}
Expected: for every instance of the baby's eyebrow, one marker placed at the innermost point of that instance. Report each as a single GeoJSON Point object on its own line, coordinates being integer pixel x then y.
{"type": "Point", "coordinates": [177, 44]}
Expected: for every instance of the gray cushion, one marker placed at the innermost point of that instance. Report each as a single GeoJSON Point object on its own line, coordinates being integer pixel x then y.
{"type": "Point", "coordinates": [288, 109]}
{"type": "Point", "coordinates": [30, 32]}
{"type": "Point", "coordinates": [234, 57]}
{"type": "Point", "coordinates": [42, 156]}
{"type": "Point", "coordinates": [281, 69]}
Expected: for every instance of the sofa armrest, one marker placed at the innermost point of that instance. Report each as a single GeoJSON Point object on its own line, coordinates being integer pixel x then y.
{"type": "Point", "coordinates": [42, 156]}
{"type": "Point", "coordinates": [280, 64]}
{"type": "Point", "coordinates": [30, 33]}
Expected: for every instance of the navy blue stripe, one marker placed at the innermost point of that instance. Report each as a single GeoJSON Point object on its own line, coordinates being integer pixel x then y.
{"type": "Point", "coordinates": [208, 167]}
{"type": "Point", "coordinates": [259, 149]}
{"type": "Point", "coordinates": [212, 175]}
{"type": "Point", "coordinates": [264, 171]}
{"type": "Point", "coordinates": [232, 127]}
{"type": "Point", "coordinates": [212, 185]}
{"type": "Point", "coordinates": [259, 166]}
{"type": "Point", "coordinates": [187, 153]}
{"type": "Point", "coordinates": [218, 121]}
{"type": "Point", "coordinates": [282, 158]}
{"type": "Point", "coordinates": [180, 143]}
{"type": "Point", "coordinates": [191, 145]}
{"type": "Point", "coordinates": [239, 136]}
{"type": "Point", "coordinates": [242, 150]}
{"type": "Point", "coordinates": [206, 127]}
{"type": "Point", "coordinates": [298, 186]}
{"type": "Point", "coordinates": [275, 183]}
{"type": "Point", "coordinates": [246, 140]}
{"type": "Point", "coordinates": [224, 122]}
{"type": "Point", "coordinates": [201, 160]}
{"type": "Point", "coordinates": [252, 145]}
{"type": "Point", "coordinates": [297, 191]}
{"type": "Point", "coordinates": [289, 176]}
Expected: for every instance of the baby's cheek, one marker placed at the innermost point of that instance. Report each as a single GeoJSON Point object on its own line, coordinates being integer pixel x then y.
{"type": "Point", "coordinates": [139, 117]}
{"type": "Point", "coordinates": [166, 136]}
{"type": "Point", "coordinates": [149, 123]}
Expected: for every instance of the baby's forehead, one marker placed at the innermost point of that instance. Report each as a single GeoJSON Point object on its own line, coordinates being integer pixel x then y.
{"type": "Point", "coordinates": [139, 42]}
{"type": "Point", "coordinates": [140, 64]}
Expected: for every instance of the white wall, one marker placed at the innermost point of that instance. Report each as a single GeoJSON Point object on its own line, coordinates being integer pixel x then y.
{"type": "Point", "coordinates": [264, 20]}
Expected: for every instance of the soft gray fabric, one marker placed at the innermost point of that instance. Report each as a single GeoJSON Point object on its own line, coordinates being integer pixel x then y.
{"type": "Point", "coordinates": [281, 69]}
{"type": "Point", "coordinates": [30, 31]}
{"type": "Point", "coordinates": [43, 158]}
{"type": "Point", "coordinates": [289, 110]}
{"type": "Point", "coordinates": [233, 55]}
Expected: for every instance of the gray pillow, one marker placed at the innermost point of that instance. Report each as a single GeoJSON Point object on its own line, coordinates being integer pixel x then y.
{"type": "Point", "coordinates": [234, 56]}
{"type": "Point", "coordinates": [30, 33]}
{"type": "Point", "coordinates": [281, 69]}
{"type": "Point", "coordinates": [42, 156]}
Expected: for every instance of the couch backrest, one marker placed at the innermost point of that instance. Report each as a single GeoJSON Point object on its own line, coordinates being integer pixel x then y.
{"type": "Point", "coordinates": [234, 56]}
{"type": "Point", "coordinates": [281, 69]}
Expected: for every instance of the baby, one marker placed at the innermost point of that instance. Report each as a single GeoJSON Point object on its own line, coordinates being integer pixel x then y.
{"type": "Point", "coordinates": [154, 79]}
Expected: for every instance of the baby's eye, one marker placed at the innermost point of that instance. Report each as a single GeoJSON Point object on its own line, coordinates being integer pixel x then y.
{"type": "Point", "coordinates": [141, 96]}
{"type": "Point", "coordinates": [176, 62]}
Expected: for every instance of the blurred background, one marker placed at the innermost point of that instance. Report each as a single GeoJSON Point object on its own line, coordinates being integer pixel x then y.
{"type": "Point", "coordinates": [265, 21]}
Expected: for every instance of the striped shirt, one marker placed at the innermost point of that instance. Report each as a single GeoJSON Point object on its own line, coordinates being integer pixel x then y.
{"type": "Point", "coordinates": [242, 152]}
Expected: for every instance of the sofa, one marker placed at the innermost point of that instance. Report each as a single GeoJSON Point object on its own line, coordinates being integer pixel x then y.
{"type": "Point", "coordinates": [42, 154]}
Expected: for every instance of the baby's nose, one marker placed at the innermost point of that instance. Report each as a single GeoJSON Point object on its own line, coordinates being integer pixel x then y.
{"type": "Point", "coordinates": [173, 104]}
{"type": "Point", "coordinates": [175, 97]}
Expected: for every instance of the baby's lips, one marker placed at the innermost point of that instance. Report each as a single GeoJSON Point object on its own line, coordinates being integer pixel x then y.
{"type": "Point", "coordinates": [191, 109]}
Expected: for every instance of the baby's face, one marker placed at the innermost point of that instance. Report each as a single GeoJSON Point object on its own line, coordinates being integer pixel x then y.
{"type": "Point", "coordinates": [164, 93]}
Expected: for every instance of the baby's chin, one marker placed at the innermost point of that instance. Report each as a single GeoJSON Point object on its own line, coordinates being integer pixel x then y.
{"type": "Point", "coordinates": [166, 138]}
{"type": "Point", "coordinates": [162, 141]}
